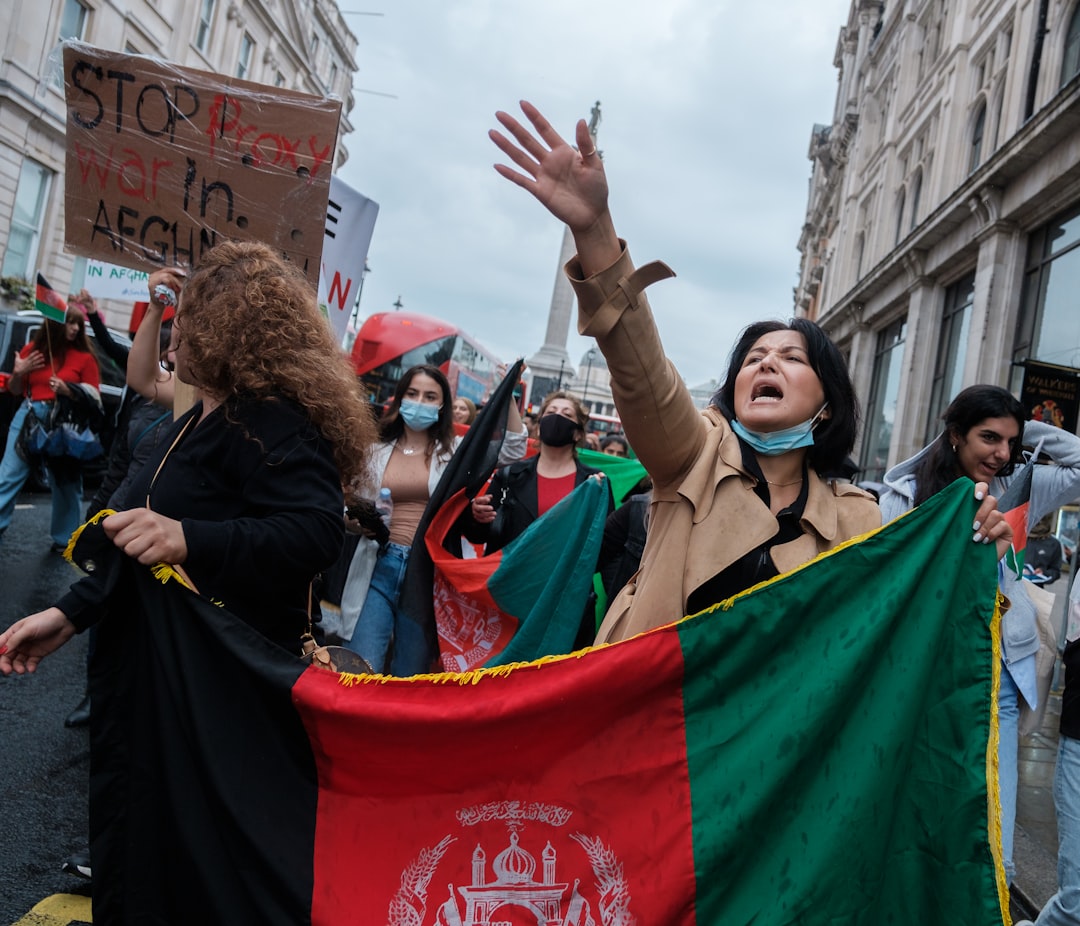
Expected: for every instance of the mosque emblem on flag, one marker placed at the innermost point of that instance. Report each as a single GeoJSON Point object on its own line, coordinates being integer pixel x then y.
{"type": "Point", "coordinates": [539, 873]}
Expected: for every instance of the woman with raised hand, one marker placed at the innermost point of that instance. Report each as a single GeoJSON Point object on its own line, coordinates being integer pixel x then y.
{"type": "Point", "coordinates": [738, 491]}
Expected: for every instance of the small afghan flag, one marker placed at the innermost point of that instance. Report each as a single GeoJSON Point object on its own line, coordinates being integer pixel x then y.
{"type": "Point", "coordinates": [49, 302]}
{"type": "Point", "coordinates": [818, 750]}
{"type": "Point", "coordinates": [1014, 504]}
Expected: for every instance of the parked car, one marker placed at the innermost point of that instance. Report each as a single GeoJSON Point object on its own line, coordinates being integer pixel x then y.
{"type": "Point", "coordinates": [16, 330]}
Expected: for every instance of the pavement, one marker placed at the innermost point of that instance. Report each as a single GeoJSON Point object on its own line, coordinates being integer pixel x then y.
{"type": "Point", "coordinates": [1035, 841]}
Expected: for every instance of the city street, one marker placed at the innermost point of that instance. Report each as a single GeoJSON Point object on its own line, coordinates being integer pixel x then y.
{"type": "Point", "coordinates": [43, 765]}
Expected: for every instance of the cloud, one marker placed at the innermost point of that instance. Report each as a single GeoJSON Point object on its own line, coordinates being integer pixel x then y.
{"type": "Point", "coordinates": [707, 112]}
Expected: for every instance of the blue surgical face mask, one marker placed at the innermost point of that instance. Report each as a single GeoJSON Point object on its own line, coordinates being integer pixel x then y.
{"type": "Point", "coordinates": [774, 443]}
{"type": "Point", "coordinates": [419, 416]}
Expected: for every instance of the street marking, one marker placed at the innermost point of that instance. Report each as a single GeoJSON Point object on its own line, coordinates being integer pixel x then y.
{"type": "Point", "coordinates": [58, 910]}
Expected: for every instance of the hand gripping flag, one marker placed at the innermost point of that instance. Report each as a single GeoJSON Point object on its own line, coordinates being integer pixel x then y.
{"type": "Point", "coordinates": [524, 601]}
{"type": "Point", "coordinates": [468, 470]}
{"type": "Point", "coordinates": [816, 751]}
{"type": "Point", "coordinates": [49, 302]}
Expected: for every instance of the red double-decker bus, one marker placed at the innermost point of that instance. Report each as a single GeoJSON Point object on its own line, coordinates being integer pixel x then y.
{"type": "Point", "coordinates": [389, 343]}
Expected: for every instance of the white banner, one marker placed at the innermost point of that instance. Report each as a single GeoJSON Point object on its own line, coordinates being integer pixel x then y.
{"type": "Point", "coordinates": [108, 281]}
{"type": "Point", "coordinates": [350, 221]}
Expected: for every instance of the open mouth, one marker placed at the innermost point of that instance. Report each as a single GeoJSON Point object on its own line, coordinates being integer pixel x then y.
{"type": "Point", "coordinates": [765, 392]}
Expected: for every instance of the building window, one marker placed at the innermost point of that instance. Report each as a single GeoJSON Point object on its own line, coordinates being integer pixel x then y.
{"type": "Point", "coordinates": [916, 195]}
{"type": "Point", "coordinates": [952, 351]}
{"type": "Point", "coordinates": [1070, 65]}
{"type": "Point", "coordinates": [279, 79]}
{"type": "Point", "coordinates": [899, 232]}
{"type": "Point", "coordinates": [313, 47]}
{"type": "Point", "coordinates": [26, 220]}
{"type": "Point", "coordinates": [332, 79]}
{"type": "Point", "coordinates": [978, 130]}
{"type": "Point", "coordinates": [72, 20]}
{"type": "Point", "coordinates": [243, 64]}
{"type": "Point", "coordinates": [206, 19]}
{"type": "Point", "coordinates": [1048, 326]}
{"type": "Point", "coordinates": [860, 254]}
{"type": "Point", "coordinates": [884, 393]}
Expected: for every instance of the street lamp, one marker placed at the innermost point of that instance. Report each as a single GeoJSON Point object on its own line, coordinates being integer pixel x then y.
{"type": "Point", "coordinates": [562, 366]}
{"type": "Point", "coordinates": [590, 356]}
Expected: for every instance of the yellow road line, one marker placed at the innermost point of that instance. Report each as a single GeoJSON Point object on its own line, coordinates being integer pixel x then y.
{"type": "Point", "coordinates": [58, 910]}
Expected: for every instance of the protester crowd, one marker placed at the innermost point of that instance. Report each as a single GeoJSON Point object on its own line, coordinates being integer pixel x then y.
{"type": "Point", "coordinates": [249, 494]}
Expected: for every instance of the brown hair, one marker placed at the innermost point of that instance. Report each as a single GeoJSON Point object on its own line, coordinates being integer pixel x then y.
{"type": "Point", "coordinates": [251, 324]}
{"type": "Point", "coordinates": [580, 411]}
{"type": "Point", "coordinates": [51, 338]}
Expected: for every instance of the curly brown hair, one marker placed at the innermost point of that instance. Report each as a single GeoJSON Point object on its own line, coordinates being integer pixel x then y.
{"type": "Point", "coordinates": [251, 325]}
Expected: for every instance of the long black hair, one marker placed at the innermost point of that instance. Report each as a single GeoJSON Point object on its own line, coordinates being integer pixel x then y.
{"type": "Point", "coordinates": [970, 407]}
{"type": "Point", "coordinates": [834, 436]}
{"type": "Point", "coordinates": [392, 425]}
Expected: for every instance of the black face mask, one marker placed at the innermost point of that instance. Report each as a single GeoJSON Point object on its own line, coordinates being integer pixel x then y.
{"type": "Point", "coordinates": [557, 431]}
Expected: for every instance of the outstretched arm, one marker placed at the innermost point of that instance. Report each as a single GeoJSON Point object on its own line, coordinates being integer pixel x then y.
{"type": "Point", "coordinates": [570, 184]}
{"type": "Point", "coordinates": [144, 373]}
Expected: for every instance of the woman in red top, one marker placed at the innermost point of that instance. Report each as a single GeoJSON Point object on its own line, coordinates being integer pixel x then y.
{"type": "Point", "coordinates": [59, 356]}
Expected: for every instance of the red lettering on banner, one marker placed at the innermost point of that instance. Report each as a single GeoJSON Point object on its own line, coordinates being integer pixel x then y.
{"type": "Point", "coordinates": [336, 293]}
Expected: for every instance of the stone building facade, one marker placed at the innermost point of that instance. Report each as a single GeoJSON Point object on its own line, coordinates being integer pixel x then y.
{"type": "Point", "coordinates": [942, 239]}
{"type": "Point", "coordinates": [300, 44]}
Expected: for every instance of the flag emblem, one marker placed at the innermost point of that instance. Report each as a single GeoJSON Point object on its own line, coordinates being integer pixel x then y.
{"type": "Point", "coordinates": [522, 858]}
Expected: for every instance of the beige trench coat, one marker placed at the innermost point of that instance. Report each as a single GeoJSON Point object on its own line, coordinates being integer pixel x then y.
{"type": "Point", "coordinates": [705, 514]}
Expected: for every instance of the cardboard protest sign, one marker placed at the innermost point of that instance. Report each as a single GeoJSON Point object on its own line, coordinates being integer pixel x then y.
{"type": "Point", "coordinates": [350, 221]}
{"type": "Point", "coordinates": [164, 161]}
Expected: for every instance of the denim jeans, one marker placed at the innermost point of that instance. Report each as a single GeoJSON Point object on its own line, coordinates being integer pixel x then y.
{"type": "Point", "coordinates": [378, 621]}
{"type": "Point", "coordinates": [1008, 761]}
{"type": "Point", "coordinates": [1063, 909]}
{"type": "Point", "coordinates": [66, 495]}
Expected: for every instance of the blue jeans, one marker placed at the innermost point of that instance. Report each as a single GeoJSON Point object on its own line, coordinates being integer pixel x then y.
{"type": "Point", "coordinates": [378, 620]}
{"type": "Point", "coordinates": [1008, 761]}
{"type": "Point", "coordinates": [66, 495]}
{"type": "Point", "coordinates": [1063, 909]}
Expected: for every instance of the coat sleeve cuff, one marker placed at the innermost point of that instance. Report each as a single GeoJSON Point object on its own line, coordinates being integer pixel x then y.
{"type": "Point", "coordinates": [603, 297]}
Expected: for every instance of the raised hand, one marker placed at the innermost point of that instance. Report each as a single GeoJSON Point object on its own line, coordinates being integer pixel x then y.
{"type": "Point", "coordinates": [570, 184]}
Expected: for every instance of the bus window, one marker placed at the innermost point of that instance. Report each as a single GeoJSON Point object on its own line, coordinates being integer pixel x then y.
{"type": "Point", "coordinates": [605, 424]}
{"type": "Point", "coordinates": [389, 343]}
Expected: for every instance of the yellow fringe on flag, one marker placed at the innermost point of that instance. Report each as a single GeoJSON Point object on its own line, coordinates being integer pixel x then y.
{"type": "Point", "coordinates": [69, 550]}
{"type": "Point", "coordinates": [993, 778]}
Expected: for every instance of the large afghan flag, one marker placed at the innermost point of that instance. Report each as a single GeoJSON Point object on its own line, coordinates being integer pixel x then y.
{"type": "Point", "coordinates": [817, 751]}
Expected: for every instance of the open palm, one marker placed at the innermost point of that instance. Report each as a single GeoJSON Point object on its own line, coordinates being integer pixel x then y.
{"type": "Point", "coordinates": [570, 183]}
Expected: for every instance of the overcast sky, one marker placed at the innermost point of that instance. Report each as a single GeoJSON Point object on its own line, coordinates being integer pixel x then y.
{"type": "Point", "coordinates": [707, 110]}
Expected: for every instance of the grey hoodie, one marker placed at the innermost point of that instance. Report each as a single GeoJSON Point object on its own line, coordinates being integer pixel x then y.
{"type": "Point", "coordinates": [1051, 487]}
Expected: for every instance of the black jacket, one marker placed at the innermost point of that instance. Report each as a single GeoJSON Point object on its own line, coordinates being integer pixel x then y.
{"type": "Point", "coordinates": [513, 493]}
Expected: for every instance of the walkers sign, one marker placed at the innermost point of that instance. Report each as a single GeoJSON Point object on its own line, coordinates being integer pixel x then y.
{"type": "Point", "coordinates": [163, 161]}
{"type": "Point", "coordinates": [1050, 394]}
